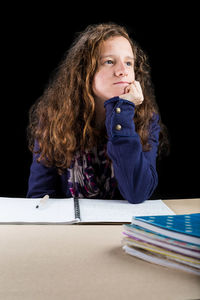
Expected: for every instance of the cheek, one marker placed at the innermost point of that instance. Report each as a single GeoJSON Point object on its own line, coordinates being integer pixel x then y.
{"type": "Point", "coordinates": [132, 75]}
{"type": "Point", "coordinates": [98, 81]}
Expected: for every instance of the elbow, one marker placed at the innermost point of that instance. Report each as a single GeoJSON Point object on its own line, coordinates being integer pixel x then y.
{"type": "Point", "coordinates": [140, 191]}
{"type": "Point", "coordinates": [132, 195]}
{"type": "Point", "coordinates": [139, 196]}
{"type": "Point", "coordinates": [135, 198]}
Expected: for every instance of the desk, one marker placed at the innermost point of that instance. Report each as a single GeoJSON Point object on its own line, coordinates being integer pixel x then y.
{"type": "Point", "coordinates": [75, 262]}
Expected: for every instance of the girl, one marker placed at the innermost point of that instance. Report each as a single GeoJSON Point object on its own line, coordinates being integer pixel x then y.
{"type": "Point", "coordinates": [96, 130]}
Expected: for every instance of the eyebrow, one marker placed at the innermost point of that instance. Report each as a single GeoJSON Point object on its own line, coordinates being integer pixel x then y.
{"type": "Point", "coordinates": [111, 55]}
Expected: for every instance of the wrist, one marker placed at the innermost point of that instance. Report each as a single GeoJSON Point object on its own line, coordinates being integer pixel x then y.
{"type": "Point", "coordinates": [119, 117]}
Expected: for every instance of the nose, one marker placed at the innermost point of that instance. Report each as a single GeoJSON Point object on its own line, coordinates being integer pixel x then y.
{"type": "Point", "coordinates": [120, 70]}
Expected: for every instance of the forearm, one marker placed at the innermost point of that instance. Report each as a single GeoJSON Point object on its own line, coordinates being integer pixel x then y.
{"type": "Point", "coordinates": [42, 180]}
{"type": "Point", "coordinates": [136, 177]}
{"type": "Point", "coordinates": [134, 169]}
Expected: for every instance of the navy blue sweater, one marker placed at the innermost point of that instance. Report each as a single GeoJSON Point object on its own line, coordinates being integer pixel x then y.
{"type": "Point", "coordinates": [134, 169]}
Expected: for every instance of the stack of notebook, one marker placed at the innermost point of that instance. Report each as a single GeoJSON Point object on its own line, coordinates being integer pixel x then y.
{"type": "Point", "coordinates": [169, 240]}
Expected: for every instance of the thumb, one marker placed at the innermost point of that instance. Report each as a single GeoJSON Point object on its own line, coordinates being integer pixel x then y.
{"type": "Point", "coordinates": [127, 89]}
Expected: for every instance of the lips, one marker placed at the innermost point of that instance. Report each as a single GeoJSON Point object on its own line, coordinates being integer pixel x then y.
{"type": "Point", "coordinates": [122, 83]}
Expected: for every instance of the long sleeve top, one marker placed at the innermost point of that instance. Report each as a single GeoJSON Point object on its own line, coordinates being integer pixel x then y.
{"type": "Point", "coordinates": [134, 169]}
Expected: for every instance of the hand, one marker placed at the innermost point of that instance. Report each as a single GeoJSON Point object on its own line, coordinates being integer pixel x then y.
{"type": "Point", "coordinates": [133, 93]}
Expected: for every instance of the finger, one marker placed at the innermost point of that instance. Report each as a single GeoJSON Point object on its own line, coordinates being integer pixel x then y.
{"type": "Point", "coordinates": [138, 86]}
{"type": "Point", "coordinates": [139, 89]}
{"type": "Point", "coordinates": [131, 88]}
{"type": "Point", "coordinates": [138, 101]}
{"type": "Point", "coordinates": [127, 89]}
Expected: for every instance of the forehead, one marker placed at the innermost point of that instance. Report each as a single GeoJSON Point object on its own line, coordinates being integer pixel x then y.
{"type": "Point", "coordinates": [116, 45]}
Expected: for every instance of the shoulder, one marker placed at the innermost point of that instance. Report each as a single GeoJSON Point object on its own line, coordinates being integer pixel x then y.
{"type": "Point", "coordinates": [154, 122]}
{"type": "Point", "coordinates": [154, 127]}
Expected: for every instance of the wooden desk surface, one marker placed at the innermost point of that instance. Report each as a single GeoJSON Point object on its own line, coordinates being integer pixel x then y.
{"type": "Point", "coordinates": [85, 262]}
{"type": "Point", "coordinates": [184, 206]}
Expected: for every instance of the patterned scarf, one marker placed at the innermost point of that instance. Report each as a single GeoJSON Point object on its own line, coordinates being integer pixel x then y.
{"type": "Point", "coordinates": [91, 175]}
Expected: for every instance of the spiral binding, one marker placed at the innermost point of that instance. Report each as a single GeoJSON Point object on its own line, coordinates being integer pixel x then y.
{"type": "Point", "coordinates": [77, 208]}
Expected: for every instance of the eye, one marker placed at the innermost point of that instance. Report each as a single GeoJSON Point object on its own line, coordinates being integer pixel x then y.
{"type": "Point", "coordinates": [129, 63]}
{"type": "Point", "coordinates": [109, 62]}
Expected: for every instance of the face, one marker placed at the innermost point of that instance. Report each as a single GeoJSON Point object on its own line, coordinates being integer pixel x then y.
{"type": "Point", "coordinates": [116, 69]}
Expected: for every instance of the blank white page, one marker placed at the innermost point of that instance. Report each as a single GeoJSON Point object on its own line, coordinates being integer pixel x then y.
{"type": "Point", "coordinates": [95, 210]}
{"type": "Point", "coordinates": [23, 210]}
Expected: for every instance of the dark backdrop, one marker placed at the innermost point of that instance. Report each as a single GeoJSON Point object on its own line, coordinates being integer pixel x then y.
{"type": "Point", "coordinates": [34, 40]}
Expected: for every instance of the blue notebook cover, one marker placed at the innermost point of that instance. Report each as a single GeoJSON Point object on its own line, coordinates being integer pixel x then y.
{"type": "Point", "coordinates": [187, 224]}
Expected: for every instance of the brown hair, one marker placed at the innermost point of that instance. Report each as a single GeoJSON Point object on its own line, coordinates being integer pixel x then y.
{"type": "Point", "coordinates": [62, 121]}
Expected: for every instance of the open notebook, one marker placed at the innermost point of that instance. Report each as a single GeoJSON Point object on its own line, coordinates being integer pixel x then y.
{"type": "Point", "coordinates": [70, 211]}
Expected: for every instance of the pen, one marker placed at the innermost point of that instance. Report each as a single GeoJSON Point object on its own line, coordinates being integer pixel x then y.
{"type": "Point", "coordinates": [42, 201]}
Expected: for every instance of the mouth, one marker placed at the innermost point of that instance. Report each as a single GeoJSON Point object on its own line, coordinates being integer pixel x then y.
{"type": "Point", "coordinates": [122, 83]}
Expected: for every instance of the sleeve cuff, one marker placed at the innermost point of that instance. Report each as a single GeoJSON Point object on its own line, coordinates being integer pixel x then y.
{"type": "Point", "coordinates": [119, 117]}
{"type": "Point", "coordinates": [115, 99]}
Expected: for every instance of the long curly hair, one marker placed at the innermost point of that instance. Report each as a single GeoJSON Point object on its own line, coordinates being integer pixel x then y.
{"type": "Point", "coordinates": [62, 120]}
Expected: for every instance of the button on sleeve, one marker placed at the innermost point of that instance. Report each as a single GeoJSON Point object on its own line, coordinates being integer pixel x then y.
{"type": "Point", "coordinates": [119, 117]}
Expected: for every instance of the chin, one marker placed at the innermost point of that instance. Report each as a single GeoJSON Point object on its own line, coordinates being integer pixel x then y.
{"type": "Point", "coordinates": [116, 95]}
{"type": "Point", "coordinates": [118, 91]}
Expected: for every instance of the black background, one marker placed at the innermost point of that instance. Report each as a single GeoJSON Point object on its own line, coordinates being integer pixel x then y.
{"type": "Point", "coordinates": [33, 42]}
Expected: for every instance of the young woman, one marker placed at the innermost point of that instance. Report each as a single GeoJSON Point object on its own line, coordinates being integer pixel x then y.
{"type": "Point", "coordinates": [96, 130]}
